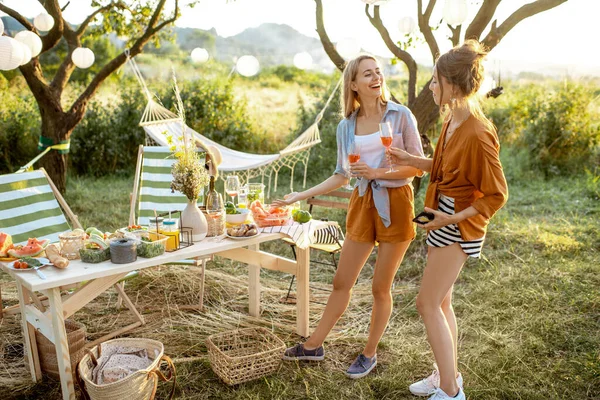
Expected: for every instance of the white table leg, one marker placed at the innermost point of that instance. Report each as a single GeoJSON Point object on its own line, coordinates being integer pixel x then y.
{"type": "Point", "coordinates": [302, 290]}
{"type": "Point", "coordinates": [254, 286]}
{"type": "Point", "coordinates": [61, 344]}
{"type": "Point", "coordinates": [28, 332]}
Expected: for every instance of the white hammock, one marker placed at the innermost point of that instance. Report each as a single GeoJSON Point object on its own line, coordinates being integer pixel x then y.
{"type": "Point", "coordinates": [164, 128]}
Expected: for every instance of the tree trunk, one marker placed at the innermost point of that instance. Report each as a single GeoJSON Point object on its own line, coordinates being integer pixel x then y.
{"type": "Point", "coordinates": [426, 112]}
{"type": "Point", "coordinates": [57, 126]}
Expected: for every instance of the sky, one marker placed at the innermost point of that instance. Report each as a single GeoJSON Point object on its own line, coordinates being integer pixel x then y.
{"type": "Point", "coordinates": [560, 36]}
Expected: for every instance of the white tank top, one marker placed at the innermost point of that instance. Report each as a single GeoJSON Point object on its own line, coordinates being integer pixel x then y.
{"type": "Point", "coordinates": [372, 150]}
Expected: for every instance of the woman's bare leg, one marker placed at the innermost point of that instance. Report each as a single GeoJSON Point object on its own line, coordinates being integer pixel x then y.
{"type": "Point", "coordinates": [448, 311]}
{"type": "Point", "coordinates": [443, 267]}
{"type": "Point", "coordinates": [352, 259]}
{"type": "Point", "coordinates": [389, 257]}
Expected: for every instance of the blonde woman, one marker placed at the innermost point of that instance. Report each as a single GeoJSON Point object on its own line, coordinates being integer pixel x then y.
{"type": "Point", "coordinates": [467, 186]}
{"type": "Point", "coordinates": [380, 209]}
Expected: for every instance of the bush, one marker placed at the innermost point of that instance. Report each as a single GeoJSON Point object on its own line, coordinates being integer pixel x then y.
{"type": "Point", "coordinates": [557, 127]}
{"type": "Point", "coordinates": [212, 110]}
{"type": "Point", "coordinates": [107, 139]}
{"type": "Point", "coordinates": [323, 156]}
{"type": "Point", "coordinates": [19, 125]}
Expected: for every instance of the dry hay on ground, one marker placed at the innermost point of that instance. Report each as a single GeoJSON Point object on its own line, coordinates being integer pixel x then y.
{"type": "Point", "coordinates": [162, 294]}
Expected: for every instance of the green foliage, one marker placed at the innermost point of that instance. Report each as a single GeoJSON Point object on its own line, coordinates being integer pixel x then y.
{"type": "Point", "coordinates": [322, 157]}
{"type": "Point", "coordinates": [212, 110]}
{"type": "Point", "coordinates": [19, 125]}
{"type": "Point", "coordinates": [556, 126]}
{"type": "Point", "coordinates": [107, 139]}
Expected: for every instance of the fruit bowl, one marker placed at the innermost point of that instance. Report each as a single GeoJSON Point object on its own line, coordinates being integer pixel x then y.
{"type": "Point", "coordinates": [265, 215]}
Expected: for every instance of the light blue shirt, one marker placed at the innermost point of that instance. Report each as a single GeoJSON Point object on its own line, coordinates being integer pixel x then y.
{"type": "Point", "coordinates": [406, 137]}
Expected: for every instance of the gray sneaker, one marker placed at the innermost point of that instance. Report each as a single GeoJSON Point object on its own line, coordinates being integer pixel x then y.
{"type": "Point", "coordinates": [298, 352]}
{"type": "Point", "coordinates": [361, 366]}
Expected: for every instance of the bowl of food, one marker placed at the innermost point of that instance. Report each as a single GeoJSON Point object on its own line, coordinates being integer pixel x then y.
{"type": "Point", "coordinates": [235, 216]}
{"type": "Point", "coordinates": [265, 215]}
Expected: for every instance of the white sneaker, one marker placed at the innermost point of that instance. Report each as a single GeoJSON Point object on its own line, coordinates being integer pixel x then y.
{"type": "Point", "coordinates": [441, 395]}
{"type": "Point", "coordinates": [428, 386]}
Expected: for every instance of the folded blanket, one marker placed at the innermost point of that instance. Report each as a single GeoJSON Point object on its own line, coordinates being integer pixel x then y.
{"type": "Point", "coordinates": [118, 362]}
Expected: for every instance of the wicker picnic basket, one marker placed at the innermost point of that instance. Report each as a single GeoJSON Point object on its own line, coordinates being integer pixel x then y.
{"type": "Point", "coordinates": [245, 354]}
{"type": "Point", "coordinates": [47, 351]}
{"type": "Point", "coordinates": [140, 385]}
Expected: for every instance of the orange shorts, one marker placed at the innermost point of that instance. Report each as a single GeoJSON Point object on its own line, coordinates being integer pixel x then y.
{"type": "Point", "coordinates": [363, 223]}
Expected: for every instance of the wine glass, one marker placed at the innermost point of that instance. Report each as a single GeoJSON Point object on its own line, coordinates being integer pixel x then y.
{"type": "Point", "coordinates": [353, 157]}
{"type": "Point", "coordinates": [232, 186]}
{"type": "Point", "coordinates": [214, 203]}
{"type": "Point", "coordinates": [387, 136]}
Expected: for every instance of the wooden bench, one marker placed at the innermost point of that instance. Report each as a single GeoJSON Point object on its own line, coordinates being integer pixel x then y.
{"type": "Point", "coordinates": [319, 201]}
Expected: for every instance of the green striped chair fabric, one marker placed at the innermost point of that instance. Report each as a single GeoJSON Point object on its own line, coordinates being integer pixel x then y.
{"type": "Point", "coordinates": [155, 185]}
{"type": "Point", "coordinates": [28, 208]}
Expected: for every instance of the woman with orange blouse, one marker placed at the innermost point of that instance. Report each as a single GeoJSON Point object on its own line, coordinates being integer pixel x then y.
{"type": "Point", "coordinates": [467, 186]}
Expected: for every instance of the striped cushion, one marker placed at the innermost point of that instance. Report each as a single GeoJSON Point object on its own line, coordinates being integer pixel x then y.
{"type": "Point", "coordinates": [29, 209]}
{"type": "Point", "coordinates": [328, 235]}
{"type": "Point", "coordinates": [155, 185]}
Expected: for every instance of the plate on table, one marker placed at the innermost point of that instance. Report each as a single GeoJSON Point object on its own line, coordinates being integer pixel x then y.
{"type": "Point", "coordinates": [242, 237]}
{"type": "Point", "coordinates": [42, 261]}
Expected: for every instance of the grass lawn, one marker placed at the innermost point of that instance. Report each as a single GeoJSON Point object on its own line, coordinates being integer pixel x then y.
{"type": "Point", "coordinates": [528, 312]}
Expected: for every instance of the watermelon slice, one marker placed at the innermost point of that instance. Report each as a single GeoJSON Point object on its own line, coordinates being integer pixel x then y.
{"type": "Point", "coordinates": [33, 248]}
{"type": "Point", "coordinates": [5, 244]}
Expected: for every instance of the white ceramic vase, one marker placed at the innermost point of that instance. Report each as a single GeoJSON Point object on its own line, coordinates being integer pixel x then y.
{"type": "Point", "coordinates": [192, 217]}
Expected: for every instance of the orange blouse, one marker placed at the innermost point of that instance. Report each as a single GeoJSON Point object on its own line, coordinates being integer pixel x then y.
{"type": "Point", "coordinates": [468, 169]}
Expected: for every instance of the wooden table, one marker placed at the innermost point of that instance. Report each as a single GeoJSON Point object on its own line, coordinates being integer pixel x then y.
{"type": "Point", "coordinates": [100, 277]}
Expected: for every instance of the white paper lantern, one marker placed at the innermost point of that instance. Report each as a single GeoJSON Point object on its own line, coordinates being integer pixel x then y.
{"type": "Point", "coordinates": [26, 54]}
{"type": "Point", "coordinates": [407, 25]}
{"type": "Point", "coordinates": [247, 65]}
{"type": "Point", "coordinates": [83, 57]}
{"type": "Point", "coordinates": [1, 27]}
{"type": "Point", "coordinates": [200, 55]}
{"type": "Point", "coordinates": [455, 12]}
{"type": "Point", "coordinates": [11, 53]}
{"type": "Point", "coordinates": [348, 48]}
{"type": "Point", "coordinates": [31, 40]}
{"type": "Point", "coordinates": [43, 22]}
{"type": "Point", "coordinates": [303, 60]}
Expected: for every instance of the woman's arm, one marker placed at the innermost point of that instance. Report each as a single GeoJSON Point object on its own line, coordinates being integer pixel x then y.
{"type": "Point", "coordinates": [403, 158]}
{"type": "Point", "coordinates": [362, 170]}
{"type": "Point", "coordinates": [335, 181]}
{"type": "Point", "coordinates": [442, 219]}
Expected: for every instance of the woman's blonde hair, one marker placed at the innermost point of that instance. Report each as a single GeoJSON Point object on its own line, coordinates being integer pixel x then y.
{"type": "Point", "coordinates": [350, 99]}
{"type": "Point", "coordinates": [462, 67]}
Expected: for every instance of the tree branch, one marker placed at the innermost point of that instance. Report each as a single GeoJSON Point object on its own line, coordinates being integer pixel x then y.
{"type": "Point", "coordinates": [66, 67]}
{"type": "Point", "coordinates": [404, 56]}
{"type": "Point", "coordinates": [426, 29]}
{"type": "Point", "coordinates": [81, 29]}
{"type": "Point", "coordinates": [20, 19]}
{"type": "Point", "coordinates": [329, 47]}
{"type": "Point", "coordinates": [455, 38]}
{"type": "Point", "coordinates": [76, 110]}
{"type": "Point", "coordinates": [53, 37]}
{"type": "Point", "coordinates": [497, 33]}
{"type": "Point", "coordinates": [482, 19]}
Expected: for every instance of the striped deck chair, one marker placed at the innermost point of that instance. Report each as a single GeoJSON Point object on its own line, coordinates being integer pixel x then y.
{"type": "Point", "coordinates": [32, 206]}
{"type": "Point", "coordinates": [152, 192]}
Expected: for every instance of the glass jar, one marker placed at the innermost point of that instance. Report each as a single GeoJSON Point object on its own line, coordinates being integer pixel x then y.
{"type": "Point", "coordinates": [255, 191]}
{"type": "Point", "coordinates": [171, 230]}
{"type": "Point", "coordinates": [155, 224]}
